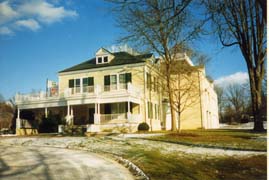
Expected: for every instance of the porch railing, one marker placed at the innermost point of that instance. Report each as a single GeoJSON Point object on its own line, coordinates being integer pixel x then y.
{"type": "Point", "coordinates": [113, 118]}
{"type": "Point", "coordinates": [94, 90]}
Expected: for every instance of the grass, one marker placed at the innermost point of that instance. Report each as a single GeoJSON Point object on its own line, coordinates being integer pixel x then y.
{"type": "Point", "coordinates": [173, 167]}
{"type": "Point", "coordinates": [230, 139]}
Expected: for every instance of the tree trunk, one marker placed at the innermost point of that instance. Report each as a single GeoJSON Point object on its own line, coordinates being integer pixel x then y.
{"type": "Point", "coordinates": [179, 105]}
{"type": "Point", "coordinates": [256, 93]}
{"type": "Point", "coordinates": [179, 128]}
{"type": "Point", "coordinates": [171, 101]}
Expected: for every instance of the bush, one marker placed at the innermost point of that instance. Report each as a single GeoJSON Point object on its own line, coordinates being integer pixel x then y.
{"type": "Point", "coordinates": [49, 124]}
{"type": "Point", "coordinates": [143, 127]}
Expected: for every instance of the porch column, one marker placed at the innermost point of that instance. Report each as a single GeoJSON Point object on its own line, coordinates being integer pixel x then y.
{"type": "Point", "coordinates": [46, 112]}
{"type": "Point", "coordinates": [18, 120]}
{"type": "Point", "coordinates": [72, 116]}
{"type": "Point", "coordinates": [129, 115]}
{"type": "Point", "coordinates": [68, 115]}
{"type": "Point", "coordinates": [97, 113]}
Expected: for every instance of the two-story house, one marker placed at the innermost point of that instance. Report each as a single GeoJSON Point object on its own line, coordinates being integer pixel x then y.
{"type": "Point", "coordinates": [110, 91]}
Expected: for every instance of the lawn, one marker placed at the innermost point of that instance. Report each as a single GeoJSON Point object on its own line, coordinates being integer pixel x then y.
{"type": "Point", "coordinates": [161, 161]}
{"type": "Point", "coordinates": [229, 139]}
{"type": "Point", "coordinates": [174, 167]}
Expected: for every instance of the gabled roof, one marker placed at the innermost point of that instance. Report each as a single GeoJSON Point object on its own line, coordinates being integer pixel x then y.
{"type": "Point", "coordinates": [120, 58]}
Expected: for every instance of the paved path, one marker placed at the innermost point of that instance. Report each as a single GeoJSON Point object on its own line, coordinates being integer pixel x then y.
{"type": "Point", "coordinates": [18, 162]}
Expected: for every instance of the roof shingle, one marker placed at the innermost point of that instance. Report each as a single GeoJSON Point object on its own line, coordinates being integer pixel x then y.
{"type": "Point", "coordinates": [120, 58]}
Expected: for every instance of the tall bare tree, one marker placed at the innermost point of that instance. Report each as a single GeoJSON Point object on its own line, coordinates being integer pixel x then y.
{"type": "Point", "coordinates": [158, 26]}
{"type": "Point", "coordinates": [185, 87]}
{"type": "Point", "coordinates": [237, 97]}
{"type": "Point", "coordinates": [243, 23]}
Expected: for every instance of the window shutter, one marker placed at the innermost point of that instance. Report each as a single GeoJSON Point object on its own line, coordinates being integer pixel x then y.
{"type": "Point", "coordinates": [106, 80]}
{"type": "Point", "coordinates": [90, 81]}
{"type": "Point", "coordinates": [128, 77]}
{"type": "Point", "coordinates": [71, 83]}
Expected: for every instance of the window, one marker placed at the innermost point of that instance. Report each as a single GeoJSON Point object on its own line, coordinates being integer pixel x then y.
{"type": "Point", "coordinates": [124, 79]}
{"type": "Point", "coordinates": [88, 84]}
{"type": "Point", "coordinates": [99, 60]}
{"type": "Point", "coordinates": [71, 83]}
{"type": "Point", "coordinates": [154, 84]}
{"type": "Point", "coordinates": [113, 82]}
{"type": "Point", "coordinates": [150, 113]}
{"type": "Point", "coordinates": [105, 59]}
{"type": "Point", "coordinates": [107, 83]}
{"type": "Point", "coordinates": [156, 111]}
{"type": "Point", "coordinates": [148, 81]}
{"type": "Point", "coordinates": [102, 59]}
{"type": "Point", "coordinates": [128, 77]}
{"type": "Point", "coordinates": [85, 81]}
{"type": "Point", "coordinates": [77, 85]}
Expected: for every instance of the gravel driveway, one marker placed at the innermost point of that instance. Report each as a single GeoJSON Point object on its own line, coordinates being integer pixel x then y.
{"type": "Point", "coordinates": [48, 163]}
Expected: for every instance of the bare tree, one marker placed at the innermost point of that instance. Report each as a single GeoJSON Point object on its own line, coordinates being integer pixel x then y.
{"type": "Point", "coordinates": [243, 23]}
{"type": "Point", "coordinates": [185, 88]}
{"type": "Point", "coordinates": [160, 26]}
{"type": "Point", "coordinates": [237, 98]}
{"type": "Point", "coordinates": [6, 115]}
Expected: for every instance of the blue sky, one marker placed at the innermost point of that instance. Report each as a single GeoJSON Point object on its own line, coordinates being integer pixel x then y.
{"type": "Point", "coordinates": [38, 38]}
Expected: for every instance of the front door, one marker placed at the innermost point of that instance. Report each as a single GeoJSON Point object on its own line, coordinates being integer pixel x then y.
{"type": "Point", "coordinates": [91, 115]}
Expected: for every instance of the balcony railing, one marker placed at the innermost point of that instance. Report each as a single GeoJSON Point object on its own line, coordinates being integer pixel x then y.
{"type": "Point", "coordinates": [77, 91]}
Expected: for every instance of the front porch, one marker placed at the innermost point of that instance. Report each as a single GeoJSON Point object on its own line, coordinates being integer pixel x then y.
{"type": "Point", "coordinates": [107, 116]}
{"type": "Point", "coordinates": [95, 117]}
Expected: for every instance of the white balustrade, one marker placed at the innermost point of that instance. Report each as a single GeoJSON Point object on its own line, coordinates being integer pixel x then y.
{"type": "Point", "coordinates": [113, 118]}
{"type": "Point", "coordinates": [88, 90]}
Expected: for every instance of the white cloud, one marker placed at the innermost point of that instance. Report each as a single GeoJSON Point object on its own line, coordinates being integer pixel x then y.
{"type": "Point", "coordinates": [46, 12]}
{"type": "Point", "coordinates": [28, 23]}
{"type": "Point", "coordinates": [6, 12]}
{"type": "Point", "coordinates": [31, 14]}
{"type": "Point", "coordinates": [5, 31]}
{"type": "Point", "coordinates": [236, 78]}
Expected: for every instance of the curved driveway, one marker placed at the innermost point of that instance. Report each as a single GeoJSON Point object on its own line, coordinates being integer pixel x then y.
{"type": "Point", "coordinates": [19, 162]}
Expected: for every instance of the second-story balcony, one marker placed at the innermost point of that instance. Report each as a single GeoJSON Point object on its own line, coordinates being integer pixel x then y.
{"type": "Point", "coordinates": [90, 91]}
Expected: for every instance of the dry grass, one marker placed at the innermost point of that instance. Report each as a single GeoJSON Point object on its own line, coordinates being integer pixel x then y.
{"type": "Point", "coordinates": [233, 139]}
{"type": "Point", "coordinates": [174, 167]}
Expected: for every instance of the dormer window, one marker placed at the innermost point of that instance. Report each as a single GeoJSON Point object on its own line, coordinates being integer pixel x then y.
{"type": "Point", "coordinates": [99, 60]}
{"type": "Point", "coordinates": [105, 59]}
{"type": "Point", "coordinates": [103, 56]}
{"type": "Point", "coordinates": [102, 59]}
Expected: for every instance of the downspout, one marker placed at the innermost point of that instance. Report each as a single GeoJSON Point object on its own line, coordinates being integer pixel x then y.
{"type": "Point", "coordinates": [201, 108]}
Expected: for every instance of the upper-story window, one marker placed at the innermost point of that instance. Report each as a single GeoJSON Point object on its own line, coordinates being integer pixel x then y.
{"type": "Point", "coordinates": [148, 81]}
{"type": "Point", "coordinates": [77, 85]}
{"type": "Point", "coordinates": [88, 84]}
{"type": "Point", "coordinates": [113, 82]}
{"type": "Point", "coordinates": [81, 84]}
{"type": "Point", "coordinates": [102, 59]}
